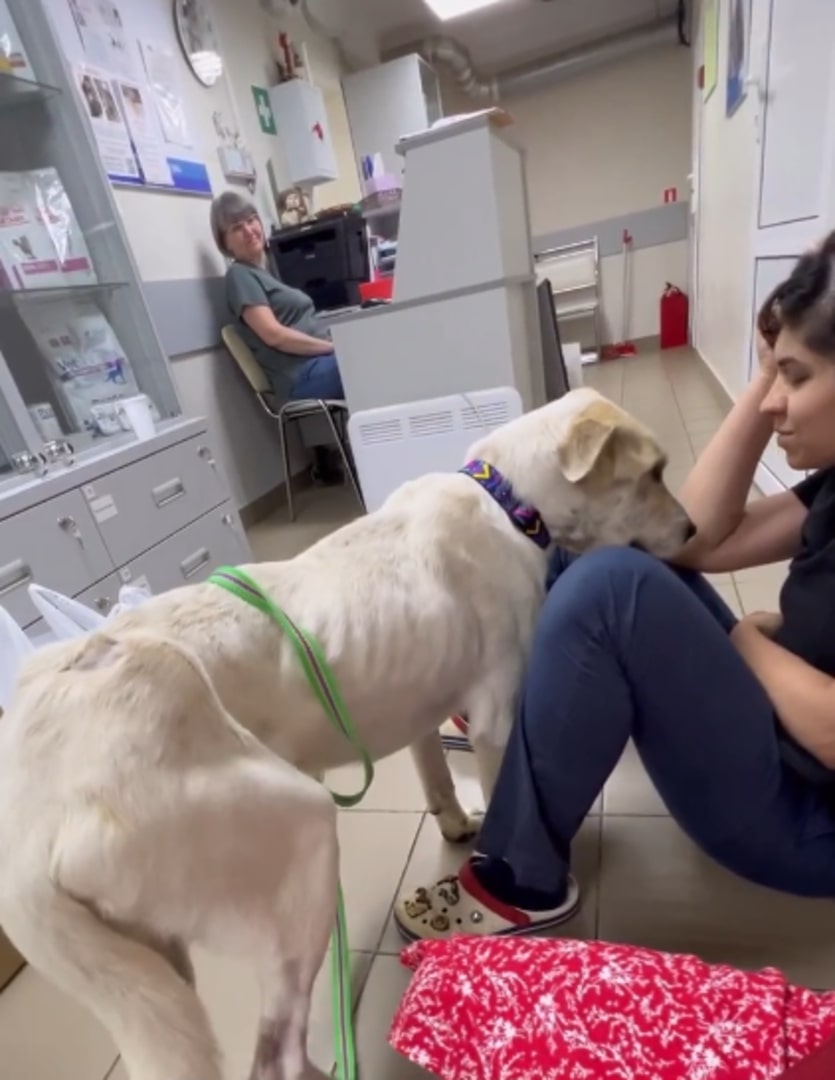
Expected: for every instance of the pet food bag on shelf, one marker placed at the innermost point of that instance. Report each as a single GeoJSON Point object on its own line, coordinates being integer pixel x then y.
{"type": "Point", "coordinates": [55, 211]}
{"type": "Point", "coordinates": [41, 243]}
{"type": "Point", "coordinates": [28, 258]}
{"type": "Point", "coordinates": [86, 363]}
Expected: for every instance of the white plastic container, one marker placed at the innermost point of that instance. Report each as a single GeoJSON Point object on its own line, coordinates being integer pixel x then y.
{"type": "Point", "coordinates": [136, 416]}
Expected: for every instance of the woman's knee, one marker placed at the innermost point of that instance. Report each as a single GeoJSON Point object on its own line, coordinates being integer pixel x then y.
{"type": "Point", "coordinates": [596, 587]}
{"type": "Point", "coordinates": [599, 569]}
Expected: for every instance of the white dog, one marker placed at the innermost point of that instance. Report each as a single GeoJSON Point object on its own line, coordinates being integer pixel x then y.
{"type": "Point", "coordinates": [156, 782]}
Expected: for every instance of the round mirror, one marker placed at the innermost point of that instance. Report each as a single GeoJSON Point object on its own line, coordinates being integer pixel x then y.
{"type": "Point", "coordinates": [198, 39]}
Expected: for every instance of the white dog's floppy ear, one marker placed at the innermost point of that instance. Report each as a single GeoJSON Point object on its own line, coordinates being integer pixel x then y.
{"type": "Point", "coordinates": [586, 439]}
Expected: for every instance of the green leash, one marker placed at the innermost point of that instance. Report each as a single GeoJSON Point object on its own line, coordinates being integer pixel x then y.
{"type": "Point", "coordinates": [322, 681]}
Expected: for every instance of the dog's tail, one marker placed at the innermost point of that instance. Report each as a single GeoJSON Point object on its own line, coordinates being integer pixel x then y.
{"type": "Point", "coordinates": [151, 1011]}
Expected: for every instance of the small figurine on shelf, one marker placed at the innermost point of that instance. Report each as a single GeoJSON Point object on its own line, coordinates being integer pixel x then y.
{"type": "Point", "coordinates": [293, 207]}
{"type": "Point", "coordinates": [289, 60]}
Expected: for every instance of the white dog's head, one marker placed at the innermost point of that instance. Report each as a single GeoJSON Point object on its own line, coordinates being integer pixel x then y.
{"type": "Point", "coordinates": [593, 472]}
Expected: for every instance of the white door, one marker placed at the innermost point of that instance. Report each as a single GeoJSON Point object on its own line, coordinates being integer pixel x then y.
{"type": "Point", "coordinates": [694, 181]}
{"type": "Point", "coordinates": [792, 53]}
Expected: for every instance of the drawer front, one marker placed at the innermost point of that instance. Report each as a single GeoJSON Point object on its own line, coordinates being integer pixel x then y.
{"type": "Point", "coordinates": [56, 545]}
{"type": "Point", "coordinates": [103, 596]}
{"type": "Point", "coordinates": [217, 539]}
{"type": "Point", "coordinates": [138, 506]}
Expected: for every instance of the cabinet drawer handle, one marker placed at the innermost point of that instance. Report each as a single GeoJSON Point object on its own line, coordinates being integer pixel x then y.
{"type": "Point", "coordinates": [168, 492]}
{"type": "Point", "coordinates": [13, 575]}
{"type": "Point", "coordinates": [195, 563]}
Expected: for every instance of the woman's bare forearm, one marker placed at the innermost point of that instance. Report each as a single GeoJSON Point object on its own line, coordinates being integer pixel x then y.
{"type": "Point", "coordinates": [262, 321]}
{"type": "Point", "coordinates": [715, 492]}
{"type": "Point", "coordinates": [299, 343]}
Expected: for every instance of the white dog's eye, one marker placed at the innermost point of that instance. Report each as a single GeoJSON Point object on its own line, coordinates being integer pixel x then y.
{"type": "Point", "coordinates": [657, 473]}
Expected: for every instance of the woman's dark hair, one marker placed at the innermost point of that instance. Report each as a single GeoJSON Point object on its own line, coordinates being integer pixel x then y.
{"type": "Point", "coordinates": [805, 302]}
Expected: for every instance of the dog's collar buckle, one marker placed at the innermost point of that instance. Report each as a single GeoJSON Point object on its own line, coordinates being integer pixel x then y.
{"type": "Point", "coordinates": [527, 519]}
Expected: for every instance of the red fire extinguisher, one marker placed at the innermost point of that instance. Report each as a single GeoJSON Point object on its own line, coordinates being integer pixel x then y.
{"type": "Point", "coordinates": [675, 312]}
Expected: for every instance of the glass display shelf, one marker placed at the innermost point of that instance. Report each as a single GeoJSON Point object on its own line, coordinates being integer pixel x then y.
{"type": "Point", "coordinates": [16, 91]}
{"type": "Point", "coordinates": [91, 291]}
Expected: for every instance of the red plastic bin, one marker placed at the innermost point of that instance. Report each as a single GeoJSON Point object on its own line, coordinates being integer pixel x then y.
{"type": "Point", "coordinates": [377, 290]}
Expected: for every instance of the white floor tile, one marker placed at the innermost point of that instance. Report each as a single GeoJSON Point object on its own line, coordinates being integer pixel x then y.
{"type": "Point", "coordinates": [386, 984]}
{"type": "Point", "coordinates": [657, 889]}
{"type": "Point", "coordinates": [396, 786]}
{"type": "Point", "coordinates": [758, 596]}
{"type": "Point", "coordinates": [630, 791]}
{"type": "Point", "coordinates": [375, 848]}
{"type": "Point", "coordinates": [46, 1035]}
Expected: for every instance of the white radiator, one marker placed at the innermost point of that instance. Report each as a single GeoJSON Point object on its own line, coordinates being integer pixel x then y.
{"type": "Point", "coordinates": [401, 442]}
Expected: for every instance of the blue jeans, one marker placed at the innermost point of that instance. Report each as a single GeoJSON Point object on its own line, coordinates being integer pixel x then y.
{"type": "Point", "coordinates": [626, 647]}
{"type": "Point", "coordinates": [318, 377]}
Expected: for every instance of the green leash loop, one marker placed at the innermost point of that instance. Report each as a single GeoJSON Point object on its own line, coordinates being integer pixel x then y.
{"type": "Point", "coordinates": [322, 681]}
{"type": "Point", "coordinates": [311, 657]}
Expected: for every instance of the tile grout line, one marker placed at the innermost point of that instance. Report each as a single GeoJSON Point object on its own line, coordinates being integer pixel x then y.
{"type": "Point", "coordinates": [112, 1068]}
{"type": "Point", "coordinates": [599, 890]}
{"type": "Point", "coordinates": [399, 885]}
{"type": "Point", "coordinates": [680, 411]}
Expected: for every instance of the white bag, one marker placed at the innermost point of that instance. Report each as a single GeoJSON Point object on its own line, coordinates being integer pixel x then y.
{"type": "Point", "coordinates": [68, 618]}
{"type": "Point", "coordinates": [15, 646]}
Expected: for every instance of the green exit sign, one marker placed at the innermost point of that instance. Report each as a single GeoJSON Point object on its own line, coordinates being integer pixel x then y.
{"type": "Point", "coordinates": [264, 110]}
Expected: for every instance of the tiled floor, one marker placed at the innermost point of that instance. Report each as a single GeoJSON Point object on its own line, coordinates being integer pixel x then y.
{"type": "Point", "coordinates": [643, 880]}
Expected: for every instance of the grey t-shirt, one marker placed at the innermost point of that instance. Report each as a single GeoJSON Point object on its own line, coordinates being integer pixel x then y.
{"type": "Point", "coordinates": [250, 286]}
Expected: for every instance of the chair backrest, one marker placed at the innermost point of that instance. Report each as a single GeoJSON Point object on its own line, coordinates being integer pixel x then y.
{"type": "Point", "coordinates": [242, 355]}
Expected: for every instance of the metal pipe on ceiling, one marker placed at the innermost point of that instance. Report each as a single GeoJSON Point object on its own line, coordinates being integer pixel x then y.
{"type": "Point", "coordinates": [449, 53]}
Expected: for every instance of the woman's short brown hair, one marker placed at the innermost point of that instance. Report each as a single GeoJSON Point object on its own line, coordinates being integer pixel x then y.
{"type": "Point", "coordinates": [227, 210]}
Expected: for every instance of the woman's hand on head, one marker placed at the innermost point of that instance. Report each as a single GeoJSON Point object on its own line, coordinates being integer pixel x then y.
{"type": "Point", "coordinates": [765, 355]}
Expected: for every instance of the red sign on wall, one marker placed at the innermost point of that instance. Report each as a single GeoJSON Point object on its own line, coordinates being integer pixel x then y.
{"type": "Point", "coordinates": [670, 194]}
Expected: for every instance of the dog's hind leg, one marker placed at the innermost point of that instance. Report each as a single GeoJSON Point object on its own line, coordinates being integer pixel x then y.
{"type": "Point", "coordinates": [455, 823]}
{"type": "Point", "coordinates": [490, 711]}
{"type": "Point", "coordinates": [304, 908]}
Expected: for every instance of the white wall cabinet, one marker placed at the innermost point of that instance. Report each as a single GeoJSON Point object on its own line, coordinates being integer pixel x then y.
{"type": "Point", "coordinates": [388, 101]}
{"type": "Point", "coordinates": [793, 49]}
{"type": "Point", "coordinates": [302, 122]}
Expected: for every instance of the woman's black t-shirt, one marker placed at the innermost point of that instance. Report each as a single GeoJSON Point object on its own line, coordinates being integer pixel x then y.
{"type": "Point", "coordinates": [807, 603]}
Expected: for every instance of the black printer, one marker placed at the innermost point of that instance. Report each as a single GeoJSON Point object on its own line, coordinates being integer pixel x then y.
{"type": "Point", "coordinates": [327, 259]}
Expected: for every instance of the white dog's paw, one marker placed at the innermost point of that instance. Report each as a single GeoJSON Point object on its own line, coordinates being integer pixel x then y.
{"type": "Point", "coordinates": [458, 827]}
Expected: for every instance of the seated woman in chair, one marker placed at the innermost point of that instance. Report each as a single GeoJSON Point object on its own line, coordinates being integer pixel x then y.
{"type": "Point", "coordinates": [277, 322]}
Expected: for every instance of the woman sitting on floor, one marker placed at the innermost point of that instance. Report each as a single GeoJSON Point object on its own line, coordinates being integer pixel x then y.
{"type": "Point", "coordinates": [734, 720]}
{"type": "Point", "coordinates": [277, 322]}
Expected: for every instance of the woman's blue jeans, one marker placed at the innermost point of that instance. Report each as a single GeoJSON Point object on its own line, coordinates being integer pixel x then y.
{"type": "Point", "coordinates": [627, 648]}
{"type": "Point", "coordinates": [318, 377]}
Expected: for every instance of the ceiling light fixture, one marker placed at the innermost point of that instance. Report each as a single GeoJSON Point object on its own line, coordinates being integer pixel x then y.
{"type": "Point", "coordinates": [450, 9]}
